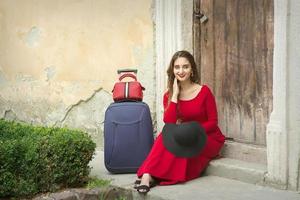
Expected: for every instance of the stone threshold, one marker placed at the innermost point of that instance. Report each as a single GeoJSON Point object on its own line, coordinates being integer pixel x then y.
{"type": "Point", "coordinates": [244, 171]}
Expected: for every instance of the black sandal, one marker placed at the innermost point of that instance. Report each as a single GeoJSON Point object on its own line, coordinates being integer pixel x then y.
{"type": "Point", "coordinates": [143, 189]}
{"type": "Point", "coordinates": [138, 182]}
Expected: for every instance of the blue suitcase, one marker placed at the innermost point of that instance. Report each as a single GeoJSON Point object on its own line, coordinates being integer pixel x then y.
{"type": "Point", "coordinates": [128, 136]}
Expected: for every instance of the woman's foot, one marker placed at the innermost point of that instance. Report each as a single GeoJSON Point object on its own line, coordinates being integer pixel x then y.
{"type": "Point", "coordinates": [145, 184]}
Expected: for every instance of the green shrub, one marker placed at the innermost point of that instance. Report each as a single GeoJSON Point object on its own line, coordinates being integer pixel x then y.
{"type": "Point", "coordinates": [41, 159]}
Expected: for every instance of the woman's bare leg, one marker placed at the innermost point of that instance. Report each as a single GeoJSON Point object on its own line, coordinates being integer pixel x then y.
{"type": "Point", "coordinates": [146, 179]}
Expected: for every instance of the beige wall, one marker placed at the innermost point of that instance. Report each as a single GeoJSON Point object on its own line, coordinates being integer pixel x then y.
{"type": "Point", "coordinates": [58, 59]}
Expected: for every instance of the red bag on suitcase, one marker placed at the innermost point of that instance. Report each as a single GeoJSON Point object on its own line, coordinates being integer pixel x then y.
{"type": "Point", "coordinates": [130, 90]}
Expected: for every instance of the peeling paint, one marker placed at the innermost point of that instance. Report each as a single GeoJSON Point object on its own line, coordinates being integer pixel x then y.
{"type": "Point", "coordinates": [2, 77]}
{"type": "Point", "coordinates": [24, 77]}
{"type": "Point", "coordinates": [88, 115]}
{"type": "Point", "coordinates": [50, 72]}
{"type": "Point", "coordinates": [10, 115]}
{"type": "Point", "coordinates": [78, 103]}
{"type": "Point", "coordinates": [33, 37]}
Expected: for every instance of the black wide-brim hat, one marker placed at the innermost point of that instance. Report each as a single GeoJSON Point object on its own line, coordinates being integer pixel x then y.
{"type": "Point", "coordinates": [184, 140]}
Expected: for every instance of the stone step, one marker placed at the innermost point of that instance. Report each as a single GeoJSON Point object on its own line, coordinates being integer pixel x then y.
{"type": "Point", "coordinates": [247, 172]}
{"type": "Point", "coordinates": [206, 187]}
{"type": "Point", "coordinates": [245, 152]}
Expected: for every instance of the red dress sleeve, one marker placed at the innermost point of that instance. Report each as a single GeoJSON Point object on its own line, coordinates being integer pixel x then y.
{"type": "Point", "coordinates": [169, 110]}
{"type": "Point", "coordinates": [211, 111]}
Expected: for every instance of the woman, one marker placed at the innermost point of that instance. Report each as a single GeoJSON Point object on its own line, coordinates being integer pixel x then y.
{"type": "Point", "coordinates": [185, 100]}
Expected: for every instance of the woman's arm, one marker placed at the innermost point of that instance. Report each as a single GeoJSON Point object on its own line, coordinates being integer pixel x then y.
{"type": "Point", "coordinates": [169, 110]}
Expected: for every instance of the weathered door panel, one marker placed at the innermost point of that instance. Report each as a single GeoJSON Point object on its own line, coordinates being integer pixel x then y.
{"type": "Point", "coordinates": [234, 50]}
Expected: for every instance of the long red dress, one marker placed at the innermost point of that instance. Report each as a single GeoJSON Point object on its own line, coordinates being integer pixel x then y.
{"type": "Point", "coordinates": [165, 166]}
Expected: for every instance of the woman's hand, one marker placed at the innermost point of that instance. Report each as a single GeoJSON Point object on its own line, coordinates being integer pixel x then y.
{"type": "Point", "coordinates": [179, 121]}
{"type": "Point", "coordinates": [176, 91]}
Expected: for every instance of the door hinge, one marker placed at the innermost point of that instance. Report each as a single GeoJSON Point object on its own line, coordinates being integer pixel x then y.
{"type": "Point", "coordinates": [203, 18]}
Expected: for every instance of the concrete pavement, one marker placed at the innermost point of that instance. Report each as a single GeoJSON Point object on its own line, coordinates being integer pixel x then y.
{"type": "Point", "coordinates": [206, 187]}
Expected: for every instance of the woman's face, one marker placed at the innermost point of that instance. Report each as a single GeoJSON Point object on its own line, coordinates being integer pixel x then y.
{"type": "Point", "coordinates": [182, 69]}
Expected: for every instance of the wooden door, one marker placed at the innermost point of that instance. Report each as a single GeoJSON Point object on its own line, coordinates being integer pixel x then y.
{"type": "Point", "coordinates": [234, 53]}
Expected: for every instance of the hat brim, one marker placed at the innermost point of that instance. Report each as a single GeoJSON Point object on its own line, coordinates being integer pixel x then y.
{"type": "Point", "coordinates": [178, 150]}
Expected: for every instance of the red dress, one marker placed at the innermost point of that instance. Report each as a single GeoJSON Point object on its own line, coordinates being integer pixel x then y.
{"type": "Point", "coordinates": [165, 166]}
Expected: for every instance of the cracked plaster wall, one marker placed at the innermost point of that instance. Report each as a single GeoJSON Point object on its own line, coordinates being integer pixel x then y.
{"type": "Point", "coordinates": [58, 59]}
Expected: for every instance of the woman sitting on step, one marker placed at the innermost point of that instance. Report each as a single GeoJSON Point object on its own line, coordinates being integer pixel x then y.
{"type": "Point", "coordinates": [191, 136]}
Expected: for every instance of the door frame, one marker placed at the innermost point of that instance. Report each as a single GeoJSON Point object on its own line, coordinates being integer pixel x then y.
{"type": "Point", "coordinates": [173, 23]}
{"type": "Point", "coordinates": [168, 39]}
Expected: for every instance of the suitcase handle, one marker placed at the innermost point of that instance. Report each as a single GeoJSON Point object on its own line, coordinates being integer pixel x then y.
{"type": "Point", "coordinates": [127, 75]}
{"type": "Point", "coordinates": [127, 70]}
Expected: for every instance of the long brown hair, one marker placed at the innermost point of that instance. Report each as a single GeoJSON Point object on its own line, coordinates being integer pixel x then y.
{"type": "Point", "coordinates": [170, 72]}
